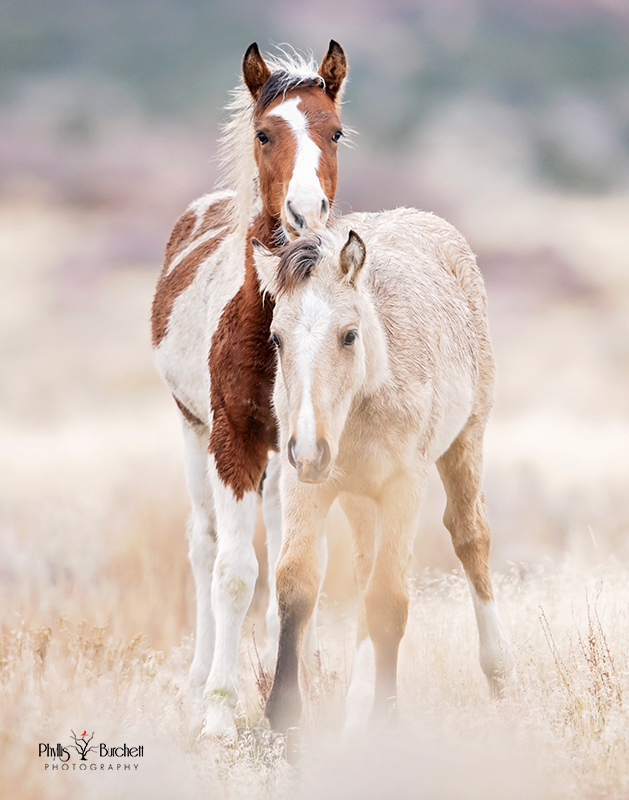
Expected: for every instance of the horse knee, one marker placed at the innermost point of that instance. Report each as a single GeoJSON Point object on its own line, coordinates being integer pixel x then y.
{"type": "Point", "coordinates": [387, 612]}
{"type": "Point", "coordinates": [471, 545]}
{"type": "Point", "coordinates": [201, 543]}
{"type": "Point", "coordinates": [468, 527]}
{"type": "Point", "coordinates": [295, 600]}
{"type": "Point", "coordinates": [235, 575]}
{"type": "Point", "coordinates": [297, 585]}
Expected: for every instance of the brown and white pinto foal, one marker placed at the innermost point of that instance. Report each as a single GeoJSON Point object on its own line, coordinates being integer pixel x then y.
{"type": "Point", "coordinates": [210, 326]}
{"type": "Point", "coordinates": [385, 367]}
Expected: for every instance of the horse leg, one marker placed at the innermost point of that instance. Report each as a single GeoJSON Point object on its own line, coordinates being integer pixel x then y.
{"type": "Point", "coordinates": [272, 515]}
{"type": "Point", "coordinates": [298, 579]}
{"type": "Point", "coordinates": [386, 596]}
{"type": "Point", "coordinates": [465, 517]}
{"type": "Point", "coordinates": [201, 552]}
{"type": "Point", "coordinates": [310, 648]}
{"type": "Point", "coordinates": [362, 514]}
{"type": "Point", "coordinates": [235, 573]}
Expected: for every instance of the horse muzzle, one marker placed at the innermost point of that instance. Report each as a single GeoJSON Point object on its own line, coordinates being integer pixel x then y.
{"type": "Point", "coordinates": [312, 467]}
{"type": "Point", "coordinates": [299, 218]}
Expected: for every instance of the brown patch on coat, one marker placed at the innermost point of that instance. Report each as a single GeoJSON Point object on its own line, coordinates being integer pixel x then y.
{"type": "Point", "coordinates": [215, 216]}
{"type": "Point", "coordinates": [242, 365]}
{"type": "Point", "coordinates": [171, 284]}
{"type": "Point", "coordinates": [181, 236]}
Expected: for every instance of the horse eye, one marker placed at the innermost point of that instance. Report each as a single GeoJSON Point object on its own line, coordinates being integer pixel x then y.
{"type": "Point", "coordinates": [276, 340]}
{"type": "Point", "coordinates": [337, 136]}
{"type": "Point", "coordinates": [262, 137]}
{"type": "Point", "coordinates": [349, 338]}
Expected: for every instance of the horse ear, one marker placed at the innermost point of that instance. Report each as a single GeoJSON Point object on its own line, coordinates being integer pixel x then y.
{"type": "Point", "coordinates": [266, 266]}
{"type": "Point", "coordinates": [254, 70]}
{"type": "Point", "coordinates": [333, 69]}
{"type": "Point", "coordinates": [352, 257]}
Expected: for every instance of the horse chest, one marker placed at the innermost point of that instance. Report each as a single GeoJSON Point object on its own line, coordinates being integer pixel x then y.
{"type": "Point", "coordinates": [242, 365]}
{"type": "Point", "coordinates": [367, 456]}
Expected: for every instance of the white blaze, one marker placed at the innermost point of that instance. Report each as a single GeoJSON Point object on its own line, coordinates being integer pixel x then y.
{"type": "Point", "coordinates": [311, 331]}
{"type": "Point", "coordinates": [305, 194]}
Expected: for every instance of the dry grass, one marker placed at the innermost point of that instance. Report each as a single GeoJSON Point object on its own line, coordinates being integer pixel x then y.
{"type": "Point", "coordinates": [562, 731]}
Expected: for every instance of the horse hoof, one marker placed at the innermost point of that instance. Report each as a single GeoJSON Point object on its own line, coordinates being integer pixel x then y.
{"type": "Point", "coordinates": [218, 721]}
{"type": "Point", "coordinates": [219, 733]}
{"type": "Point", "coordinates": [501, 673]}
{"type": "Point", "coordinates": [500, 683]}
{"type": "Point", "coordinates": [294, 746]}
{"type": "Point", "coordinates": [384, 717]}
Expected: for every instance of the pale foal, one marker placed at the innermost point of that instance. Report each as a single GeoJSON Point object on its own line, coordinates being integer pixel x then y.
{"type": "Point", "coordinates": [392, 373]}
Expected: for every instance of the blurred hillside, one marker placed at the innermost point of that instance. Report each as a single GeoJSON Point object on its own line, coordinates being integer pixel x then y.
{"type": "Point", "coordinates": [116, 105]}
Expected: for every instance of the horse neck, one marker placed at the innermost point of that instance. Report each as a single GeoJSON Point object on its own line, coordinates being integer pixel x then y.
{"type": "Point", "coordinates": [264, 228]}
{"type": "Point", "coordinates": [375, 342]}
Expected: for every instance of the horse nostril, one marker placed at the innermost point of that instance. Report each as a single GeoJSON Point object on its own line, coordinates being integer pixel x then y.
{"type": "Point", "coordinates": [299, 221]}
{"type": "Point", "coordinates": [324, 454]}
{"type": "Point", "coordinates": [325, 206]}
{"type": "Point", "coordinates": [291, 454]}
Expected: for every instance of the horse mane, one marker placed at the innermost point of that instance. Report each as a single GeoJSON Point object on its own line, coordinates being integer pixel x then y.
{"type": "Point", "coordinates": [289, 70]}
{"type": "Point", "coordinates": [297, 261]}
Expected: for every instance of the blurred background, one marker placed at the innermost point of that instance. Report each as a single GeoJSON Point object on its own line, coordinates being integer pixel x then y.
{"type": "Point", "coordinates": [508, 117]}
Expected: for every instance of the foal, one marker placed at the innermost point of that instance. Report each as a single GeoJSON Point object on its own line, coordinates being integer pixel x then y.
{"type": "Point", "coordinates": [210, 328]}
{"type": "Point", "coordinates": [385, 367]}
